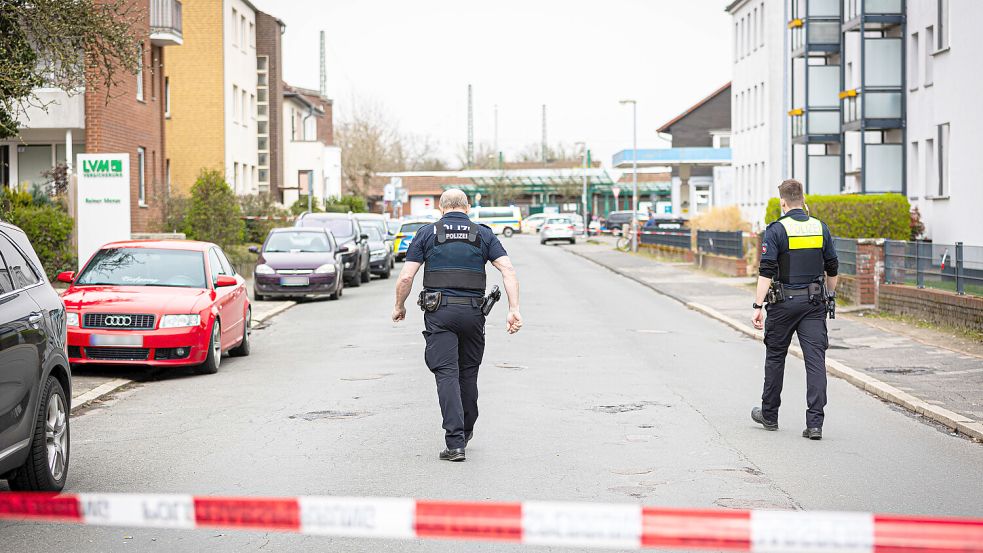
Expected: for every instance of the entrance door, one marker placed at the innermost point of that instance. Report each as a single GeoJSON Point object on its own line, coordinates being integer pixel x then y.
{"type": "Point", "coordinates": [4, 166]}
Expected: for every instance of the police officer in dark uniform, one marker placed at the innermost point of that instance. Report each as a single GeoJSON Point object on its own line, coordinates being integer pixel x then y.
{"type": "Point", "coordinates": [454, 251]}
{"type": "Point", "coordinates": [796, 252]}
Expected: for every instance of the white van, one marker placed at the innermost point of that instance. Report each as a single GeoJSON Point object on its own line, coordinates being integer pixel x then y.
{"type": "Point", "coordinates": [502, 220]}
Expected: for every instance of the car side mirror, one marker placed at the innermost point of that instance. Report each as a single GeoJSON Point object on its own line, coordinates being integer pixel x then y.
{"type": "Point", "coordinates": [253, 249]}
{"type": "Point", "coordinates": [224, 281]}
{"type": "Point", "coordinates": [66, 276]}
{"type": "Point", "coordinates": [343, 249]}
{"type": "Point", "coordinates": [364, 236]}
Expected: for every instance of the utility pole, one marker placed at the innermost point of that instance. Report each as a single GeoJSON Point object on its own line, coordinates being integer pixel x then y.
{"type": "Point", "coordinates": [324, 71]}
{"type": "Point", "coordinates": [470, 129]}
{"type": "Point", "coordinates": [496, 127]}
{"type": "Point", "coordinates": [544, 135]}
{"type": "Point", "coordinates": [583, 197]}
{"type": "Point", "coordinates": [634, 172]}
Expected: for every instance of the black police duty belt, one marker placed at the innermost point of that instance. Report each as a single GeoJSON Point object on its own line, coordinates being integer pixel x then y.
{"type": "Point", "coordinates": [432, 301]}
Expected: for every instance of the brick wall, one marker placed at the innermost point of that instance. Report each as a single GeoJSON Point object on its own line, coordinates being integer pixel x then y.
{"type": "Point", "coordinates": [847, 288]}
{"type": "Point", "coordinates": [933, 305]}
{"type": "Point", "coordinates": [269, 42]}
{"type": "Point", "coordinates": [658, 249]}
{"type": "Point", "coordinates": [117, 122]}
{"type": "Point", "coordinates": [730, 266]}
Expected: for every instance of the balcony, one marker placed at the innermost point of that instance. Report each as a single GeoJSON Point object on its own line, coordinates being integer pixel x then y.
{"type": "Point", "coordinates": [872, 110]}
{"type": "Point", "coordinates": [872, 14]}
{"type": "Point", "coordinates": [165, 23]}
{"type": "Point", "coordinates": [815, 27]}
{"type": "Point", "coordinates": [815, 126]}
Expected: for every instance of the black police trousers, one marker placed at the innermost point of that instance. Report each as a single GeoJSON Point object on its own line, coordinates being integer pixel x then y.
{"type": "Point", "coordinates": [455, 337]}
{"type": "Point", "coordinates": [796, 315]}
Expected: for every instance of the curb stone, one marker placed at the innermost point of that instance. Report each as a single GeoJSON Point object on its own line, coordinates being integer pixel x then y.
{"type": "Point", "coordinates": [272, 313]}
{"type": "Point", "coordinates": [960, 423]}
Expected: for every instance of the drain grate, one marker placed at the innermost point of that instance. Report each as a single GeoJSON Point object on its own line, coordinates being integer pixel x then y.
{"type": "Point", "coordinates": [330, 415]}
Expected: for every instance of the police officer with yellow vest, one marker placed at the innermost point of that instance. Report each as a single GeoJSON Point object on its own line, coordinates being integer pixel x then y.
{"type": "Point", "coordinates": [797, 275]}
{"type": "Point", "coordinates": [453, 252]}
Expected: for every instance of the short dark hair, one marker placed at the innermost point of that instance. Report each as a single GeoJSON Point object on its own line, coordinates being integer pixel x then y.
{"type": "Point", "coordinates": [791, 191]}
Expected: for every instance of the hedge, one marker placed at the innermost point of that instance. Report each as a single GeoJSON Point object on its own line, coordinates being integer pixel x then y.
{"type": "Point", "coordinates": [857, 216]}
{"type": "Point", "coordinates": [213, 212]}
{"type": "Point", "coordinates": [49, 228]}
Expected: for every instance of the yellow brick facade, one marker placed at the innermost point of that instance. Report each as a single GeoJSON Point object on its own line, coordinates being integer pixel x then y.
{"type": "Point", "coordinates": [196, 128]}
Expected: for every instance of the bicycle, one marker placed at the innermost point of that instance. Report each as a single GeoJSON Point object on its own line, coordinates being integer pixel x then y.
{"type": "Point", "coordinates": [624, 241]}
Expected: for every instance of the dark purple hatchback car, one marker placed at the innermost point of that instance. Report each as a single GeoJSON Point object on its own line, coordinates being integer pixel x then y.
{"type": "Point", "coordinates": [299, 262]}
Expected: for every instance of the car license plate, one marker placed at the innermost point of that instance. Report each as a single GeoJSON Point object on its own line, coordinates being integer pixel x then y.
{"type": "Point", "coordinates": [295, 281]}
{"type": "Point", "coordinates": [131, 340]}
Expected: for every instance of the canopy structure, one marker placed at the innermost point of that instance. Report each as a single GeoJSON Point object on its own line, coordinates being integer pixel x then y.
{"type": "Point", "coordinates": [674, 157]}
{"type": "Point", "coordinates": [599, 181]}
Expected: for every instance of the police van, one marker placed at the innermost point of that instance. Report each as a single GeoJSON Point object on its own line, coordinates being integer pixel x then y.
{"type": "Point", "coordinates": [502, 220]}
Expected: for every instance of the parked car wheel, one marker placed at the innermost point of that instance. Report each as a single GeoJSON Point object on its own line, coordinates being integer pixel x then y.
{"type": "Point", "coordinates": [242, 350]}
{"type": "Point", "coordinates": [366, 275]}
{"type": "Point", "coordinates": [542, 242]}
{"type": "Point", "coordinates": [257, 296]}
{"type": "Point", "coordinates": [214, 358]}
{"type": "Point", "coordinates": [508, 232]}
{"type": "Point", "coordinates": [46, 467]}
{"type": "Point", "coordinates": [573, 240]}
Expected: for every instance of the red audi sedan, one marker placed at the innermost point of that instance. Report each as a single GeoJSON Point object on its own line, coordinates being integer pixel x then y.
{"type": "Point", "coordinates": [157, 302]}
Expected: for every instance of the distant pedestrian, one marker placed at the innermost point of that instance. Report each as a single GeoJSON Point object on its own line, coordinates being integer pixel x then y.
{"type": "Point", "coordinates": [454, 251]}
{"type": "Point", "coordinates": [797, 276]}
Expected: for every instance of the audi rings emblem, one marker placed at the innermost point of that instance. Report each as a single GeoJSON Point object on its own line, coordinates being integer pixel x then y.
{"type": "Point", "coordinates": [118, 320]}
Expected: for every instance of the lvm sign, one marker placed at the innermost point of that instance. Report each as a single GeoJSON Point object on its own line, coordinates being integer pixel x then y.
{"type": "Point", "coordinates": [103, 201]}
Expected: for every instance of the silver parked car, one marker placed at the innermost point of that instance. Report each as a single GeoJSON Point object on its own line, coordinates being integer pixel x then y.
{"type": "Point", "coordinates": [558, 228]}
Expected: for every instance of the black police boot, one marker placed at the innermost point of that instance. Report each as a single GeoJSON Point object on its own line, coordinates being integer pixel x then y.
{"type": "Point", "coordinates": [759, 417]}
{"type": "Point", "coordinates": [813, 433]}
{"type": "Point", "coordinates": [467, 437]}
{"type": "Point", "coordinates": [456, 455]}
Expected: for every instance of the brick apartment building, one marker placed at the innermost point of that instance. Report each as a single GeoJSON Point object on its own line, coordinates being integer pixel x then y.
{"type": "Point", "coordinates": [311, 160]}
{"type": "Point", "coordinates": [269, 47]}
{"type": "Point", "coordinates": [127, 119]}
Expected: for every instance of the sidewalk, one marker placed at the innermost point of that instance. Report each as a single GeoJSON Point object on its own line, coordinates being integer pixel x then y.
{"type": "Point", "coordinates": [939, 383]}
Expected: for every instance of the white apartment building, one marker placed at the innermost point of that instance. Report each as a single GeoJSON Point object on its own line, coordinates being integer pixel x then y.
{"type": "Point", "coordinates": [239, 61]}
{"type": "Point", "coordinates": [945, 166]}
{"type": "Point", "coordinates": [757, 104]}
{"type": "Point", "coordinates": [310, 164]}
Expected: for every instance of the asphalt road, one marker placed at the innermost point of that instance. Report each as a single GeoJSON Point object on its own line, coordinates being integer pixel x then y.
{"type": "Point", "coordinates": [610, 393]}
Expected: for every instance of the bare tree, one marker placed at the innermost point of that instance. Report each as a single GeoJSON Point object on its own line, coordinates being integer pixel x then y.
{"type": "Point", "coordinates": [533, 152]}
{"type": "Point", "coordinates": [66, 44]}
{"type": "Point", "coordinates": [485, 156]}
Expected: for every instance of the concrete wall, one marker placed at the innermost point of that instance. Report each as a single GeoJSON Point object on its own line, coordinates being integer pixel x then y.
{"type": "Point", "coordinates": [951, 95]}
{"type": "Point", "coordinates": [757, 130]}
{"type": "Point", "coordinates": [196, 127]}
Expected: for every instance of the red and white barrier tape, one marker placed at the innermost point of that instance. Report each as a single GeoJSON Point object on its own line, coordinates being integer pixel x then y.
{"type": "Point", "coordinates": [532, 522]}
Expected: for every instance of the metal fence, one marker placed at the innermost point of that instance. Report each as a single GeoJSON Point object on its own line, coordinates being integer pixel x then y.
{"type": "Point", "coordinates": [953, 267]}
{"type": "Point", "coordinates": [846, 252]}
{"type": "Point", "coordinates": [730, 244]}
{"type": "Point", "coordinates": [678, 238]}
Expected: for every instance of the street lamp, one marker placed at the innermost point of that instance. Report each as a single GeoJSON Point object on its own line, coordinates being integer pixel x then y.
{"type": "Point", "coordinates": [583, 194]}
{"type": "Point", "coordinates": [634, 172]}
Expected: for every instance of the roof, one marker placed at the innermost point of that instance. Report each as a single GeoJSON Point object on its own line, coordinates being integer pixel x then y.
{"type": "Point", "coordinates": [309, 92]}
{"type": "Point", "coordinates": [668, 157]}
{"type": "Point", "coordinates": [666, 128]}
{"type": "Point", "coordinates": [303, 100]}
{"type": "Point", "coordinates": [190, 245]}
{"type": "Point", "coordinates": [733, 5]}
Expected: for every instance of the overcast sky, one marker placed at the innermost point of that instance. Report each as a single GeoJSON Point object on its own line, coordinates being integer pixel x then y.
{"type": "Point", "coordinates": [415, 58]}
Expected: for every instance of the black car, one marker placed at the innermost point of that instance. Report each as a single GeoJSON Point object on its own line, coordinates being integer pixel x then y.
{"type": "Point", "coordinates": [381, 259]}
{"type": "Point", "coordinates": [348, 233]}
{"type": "Point", "coordinates": [35, 378]}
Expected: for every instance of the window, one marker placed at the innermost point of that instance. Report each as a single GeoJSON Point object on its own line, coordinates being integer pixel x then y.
{"type": "Point", "coordinates": [252, 34]}
{"type": "Point", "coordinates": [167, 97]}
{"type": "Point", "coordinates": [167, 174]}
{"type": "Point", "coordinates": [15, 271]}
{"type": "Point", "coordinates": [915, 165]}
{"type": "Point", "coordinates": [141, 176]}
{"type": "Point", "coordinates": [737, 30]}
{"type": "Point", "coordinates": [242, 31]}
{"type": "Point", "coordinates": [929, 41]}
{"type": "Point", "coordinates": [913, 60]}
{"type": "Point", "coordinates": [235, 176]}
{"type": "Point", "coordinates": [252, 106]}
{"type": "Point", "coordinates": [942, 25]}
{"type": "Point", "coordinates": [227, 267]}
{"type": "Point", "coordinates": [761, 23]}
{"type": "Point", "coordinates": [931, 170]}
{"type": "Point", "coordinates": [262, 62]}
{"type": "Point", "coordinates": [235, 103]}
{"type": "Point", "coordinates": [245, 106]}
{"type": "Point", "coordinates": [214, 265]}
{"type": "Point", "coordinates": [944, 160]}
{"type": "Point", "coordinates": [305, 180]}
{"type": "Point", "coordinates": [140, 71]}
{"type": "Point", "coordinates": [235, 20]}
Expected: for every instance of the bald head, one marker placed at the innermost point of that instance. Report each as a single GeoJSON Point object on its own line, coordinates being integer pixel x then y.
{"type": "Point", "coordinates": [454, 199]}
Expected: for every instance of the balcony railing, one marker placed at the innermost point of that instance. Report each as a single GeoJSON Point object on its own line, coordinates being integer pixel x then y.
{"type": "Point", "coordinates": [872, 104]}
{"type": "Point", "coordinates": [855, 8]}
{"type": "Point", "coordinates": [165, 22]}
{"type": "Point", "coordinates": [815, 122]}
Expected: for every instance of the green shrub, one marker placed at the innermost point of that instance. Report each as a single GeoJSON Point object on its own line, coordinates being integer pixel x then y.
{"type": "Point", "coordinates": [49, 228]}
{"type": "Point", "coordinates": [213, 214]}
{"type": "Point", "coordinates": [857, 216]}
{"type": "Point", "coordinates": [262, 214]}
{"type": "Point", "coordinates": [175, 213]}
{"type": "Point", "coordinates": [344, 204]}
{"type": "Point", "coordinates": [300, 206]}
